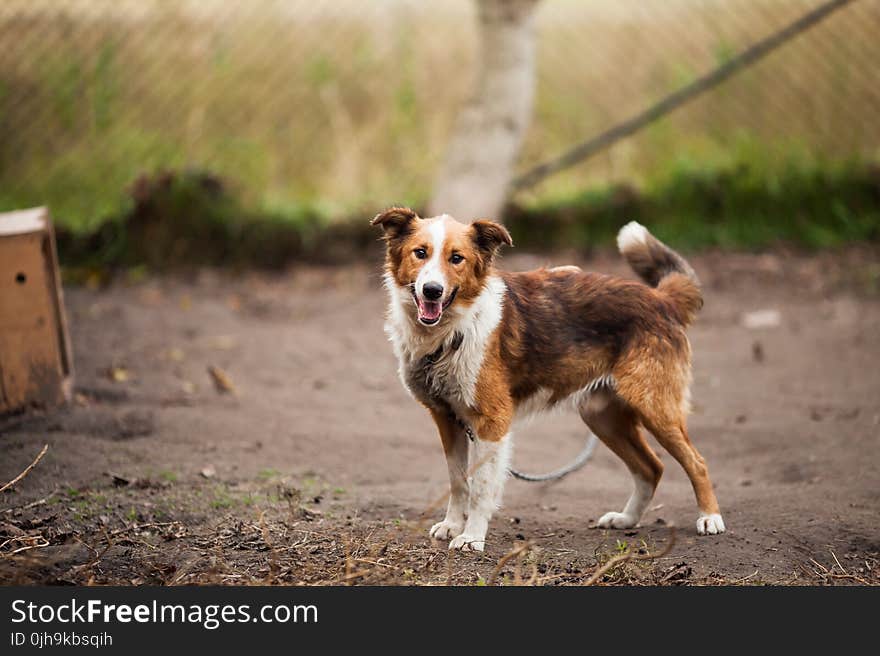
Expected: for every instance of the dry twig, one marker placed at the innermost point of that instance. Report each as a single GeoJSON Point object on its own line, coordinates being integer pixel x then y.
{"type": "Point", "coordinates": [26, 471]}
{"type": "Point", "coordinates": [32, 504]}
{"type": "Point", "coordinates": [515, 552]}
{"type": "Point", "coordinates": [625, 557]}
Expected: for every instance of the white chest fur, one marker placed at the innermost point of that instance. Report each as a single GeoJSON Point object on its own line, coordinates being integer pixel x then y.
{"type": "Point", "coordinates": [452, 376]}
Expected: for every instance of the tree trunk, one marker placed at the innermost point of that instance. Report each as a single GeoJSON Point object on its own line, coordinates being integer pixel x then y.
{"type": "Point", "coordinates": [475, 176]}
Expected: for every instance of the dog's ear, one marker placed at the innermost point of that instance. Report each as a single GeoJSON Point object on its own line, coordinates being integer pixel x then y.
{"type": "Point", "coordinates": [396, 221]}
{"type": "Point", "coordinates": [490, 236]}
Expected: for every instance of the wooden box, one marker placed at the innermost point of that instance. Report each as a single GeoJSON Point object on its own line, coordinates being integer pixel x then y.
{"type": "Point", "coordinates": [35, 358]}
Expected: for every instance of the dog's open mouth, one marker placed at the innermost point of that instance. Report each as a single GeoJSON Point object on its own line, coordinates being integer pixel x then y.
{"type": "Point", "coordinates": [431, 311]}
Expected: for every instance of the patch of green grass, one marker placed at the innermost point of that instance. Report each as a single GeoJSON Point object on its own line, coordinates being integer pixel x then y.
{"type": "Point", "coordinates": [222, 499]}
{"type": "Point", "coordinates": [99, 499]}
{"type": "Point", "coordinates": [310, 484]}
{"type": "Point", "coordinates": [742, 203]}
{"type": "Point", "coordinates": [192, 217]}
{"type": "Point", "coordinates": [169, 476]}
{"type": "Point", "coordinates": [268, 474]}
{"type": "Point", "coordinates": [749, 200]}
{"type": "Point", "coordinates": [751, 195]}
{"type": "Point", "coordinates": [82, 509]}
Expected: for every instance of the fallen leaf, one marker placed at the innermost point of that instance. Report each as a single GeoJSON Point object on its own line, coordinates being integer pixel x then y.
{"type": "Point", "coordinates": [223, 342]}
{"type": "Point", "coordinates": [94, 280]}
{"type": "Point", "coordinates": [222, 381]}
{"type": "Point", "coordinates": [119, 374]}
{"type": "Point", "coordinates": [176, 355]}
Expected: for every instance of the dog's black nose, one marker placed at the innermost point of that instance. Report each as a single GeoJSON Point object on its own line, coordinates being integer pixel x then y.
{"type": "Point", "coordinates": [432, 290]}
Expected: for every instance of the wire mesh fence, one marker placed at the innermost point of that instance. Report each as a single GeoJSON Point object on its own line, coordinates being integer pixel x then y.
{"type": "Point", "coordinates": [346, 104]}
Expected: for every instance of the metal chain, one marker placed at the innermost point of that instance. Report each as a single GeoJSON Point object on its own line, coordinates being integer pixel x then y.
{"type": "Point", "coordinates": [554, 475]}
{"type": "Point", "coordinates": [562, 472]}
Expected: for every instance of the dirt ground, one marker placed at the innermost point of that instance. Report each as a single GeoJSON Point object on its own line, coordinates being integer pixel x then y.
{"type": "Point", "coordinates": [314, 466]}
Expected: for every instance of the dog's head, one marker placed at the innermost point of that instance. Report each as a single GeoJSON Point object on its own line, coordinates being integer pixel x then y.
{"type": "Point", "coordinates": [439, 260]}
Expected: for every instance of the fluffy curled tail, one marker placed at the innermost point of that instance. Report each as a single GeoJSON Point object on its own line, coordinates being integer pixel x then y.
{"type": "Point", "coordinates": [661, 267]}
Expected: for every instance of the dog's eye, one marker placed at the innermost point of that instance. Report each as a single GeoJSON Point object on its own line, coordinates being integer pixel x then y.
{"type": "Point", "coordinates": [456, 258]}
{"type": "Point", "coordinates": [421, 253]}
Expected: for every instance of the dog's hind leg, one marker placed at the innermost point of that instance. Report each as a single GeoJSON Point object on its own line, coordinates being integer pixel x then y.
{"type": "Point", "coordinates": [489, 462]}
{"type": "Point", "coordinates": [455, 446]}
{"type": "Point", "coordinates": [672, 434]}
{"type": "Point", "coordinates": [617, 425]}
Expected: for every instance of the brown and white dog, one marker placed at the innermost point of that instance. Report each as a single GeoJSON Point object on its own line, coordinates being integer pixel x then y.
{"type": "Point", "coordinates": [480, 348]}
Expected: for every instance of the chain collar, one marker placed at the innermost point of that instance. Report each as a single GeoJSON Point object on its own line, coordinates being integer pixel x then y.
{"type": "Point", "coordinates": [433, 358]}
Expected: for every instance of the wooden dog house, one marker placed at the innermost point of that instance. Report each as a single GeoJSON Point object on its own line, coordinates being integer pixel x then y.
{"type": "Point", "coordinates": [35, 358]}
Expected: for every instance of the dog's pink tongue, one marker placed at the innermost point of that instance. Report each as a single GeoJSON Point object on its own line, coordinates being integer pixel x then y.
{"type": "Point", "coordinates": [430, 310]}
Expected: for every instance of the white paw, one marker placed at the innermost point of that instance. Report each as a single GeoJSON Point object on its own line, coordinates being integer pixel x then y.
{"type": "Point", "coordinates": [616, 520]}
{"type": "Point", "coordinates": [465, 542]}
{"type": "Point", "coordinates": [710, 524]}
{"type": "Point", "coordinates": [445, 530]}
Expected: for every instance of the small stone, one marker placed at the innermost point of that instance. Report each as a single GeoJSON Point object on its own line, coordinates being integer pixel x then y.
{"type": "Point", "coordinates": [761, 319]}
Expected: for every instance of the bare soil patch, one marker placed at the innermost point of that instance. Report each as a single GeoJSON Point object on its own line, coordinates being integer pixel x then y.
{"type": "Point", "coordinates": [311, 465]}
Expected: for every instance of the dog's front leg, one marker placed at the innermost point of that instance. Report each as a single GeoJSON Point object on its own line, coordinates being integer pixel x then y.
{"type": "Point", "coordinates": [489, 463]}
{"type": "Point", "coordinates": [455, 446]}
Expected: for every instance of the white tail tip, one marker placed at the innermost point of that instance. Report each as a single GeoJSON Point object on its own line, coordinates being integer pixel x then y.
{"type": "Point", "coordinates": [632, 234]}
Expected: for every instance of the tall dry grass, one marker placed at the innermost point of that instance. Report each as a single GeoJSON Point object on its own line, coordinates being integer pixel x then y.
{"type": "Point", "coordinates": [344, 105]}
